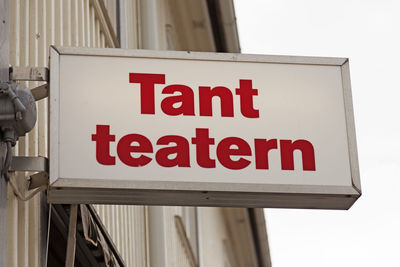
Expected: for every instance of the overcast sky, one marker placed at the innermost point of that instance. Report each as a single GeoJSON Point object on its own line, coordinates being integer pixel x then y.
{"type": "Point", "coordinates": [367, 32]}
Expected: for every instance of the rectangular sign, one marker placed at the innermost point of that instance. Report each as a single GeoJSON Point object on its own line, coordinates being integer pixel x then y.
{"type": "Point", "coordinates": [204, 129]}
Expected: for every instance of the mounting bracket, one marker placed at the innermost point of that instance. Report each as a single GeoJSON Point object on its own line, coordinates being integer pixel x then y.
{"type": "Point", "coordinates": [40, 74]}
{"type": "Point", "coordinates": [33, 164]}
{"type": "Point", "coordinates": [30, 164]}
{"type": "Point", "coordinates": [29, 74]}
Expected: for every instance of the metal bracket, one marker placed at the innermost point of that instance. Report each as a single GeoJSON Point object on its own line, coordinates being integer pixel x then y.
{"type": "Point", "coordinates": [38, 179]}
{"type": "Point", "coordinates": [40, 74]}
{"type": "Point", "coordinates": [33, 164]}
{"type": "Point", "coordinates": [30, 164]}
{"type": "Point", "coordinates": [40, 92]}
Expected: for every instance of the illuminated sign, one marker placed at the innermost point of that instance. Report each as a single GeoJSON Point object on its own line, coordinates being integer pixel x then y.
{"type": "Point", "coordinates": [206, 129]}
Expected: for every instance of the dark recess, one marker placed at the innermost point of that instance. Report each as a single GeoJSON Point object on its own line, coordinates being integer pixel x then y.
{"type": "Point", "coordinates": [215, 17]}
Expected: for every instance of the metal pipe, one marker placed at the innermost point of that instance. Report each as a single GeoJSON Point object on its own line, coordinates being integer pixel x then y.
{"type": "Point", "coordinates": [151, 33]}
{"type": "Point", "coordinates": [7, 162]}
{"type": "Point", "coordinates": [71, 245]}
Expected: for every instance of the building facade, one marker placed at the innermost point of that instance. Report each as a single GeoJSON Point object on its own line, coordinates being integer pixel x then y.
{"type": "Point", "coordinates": [118, 235]}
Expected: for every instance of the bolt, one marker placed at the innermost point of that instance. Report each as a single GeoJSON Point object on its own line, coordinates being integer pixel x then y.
{"type": "Point", "coordinates": [18, 116]}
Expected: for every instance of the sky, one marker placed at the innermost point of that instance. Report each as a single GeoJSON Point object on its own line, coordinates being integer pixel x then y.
{"type": "Point", "coordinates": [368, 33]}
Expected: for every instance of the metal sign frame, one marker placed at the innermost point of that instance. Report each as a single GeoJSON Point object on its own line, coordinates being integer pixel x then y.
{"type": "Point", "coordinates": [83, 190]}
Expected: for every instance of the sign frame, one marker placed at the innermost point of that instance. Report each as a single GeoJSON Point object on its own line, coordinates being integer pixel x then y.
{"type": "Point", "coordinates": [93, 191]}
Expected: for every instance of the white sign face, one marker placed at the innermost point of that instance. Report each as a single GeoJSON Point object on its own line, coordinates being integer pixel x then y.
{"type": "Point", "coordinates": [177, 128]}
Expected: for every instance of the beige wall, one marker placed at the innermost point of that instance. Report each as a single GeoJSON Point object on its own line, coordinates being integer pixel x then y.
{"type": "Point", "coordinates": [145, 236]}
{"type": "Point", "coordinates": [215, 249]}
{"type": "Point", "coordinates": [34, 26]}
{"type": "Point", "coordinates": [184, 25]}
